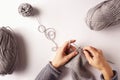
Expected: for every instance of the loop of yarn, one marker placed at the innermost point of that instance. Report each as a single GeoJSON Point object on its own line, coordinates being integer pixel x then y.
{"type": "Point", "coordinates": [50, 34]}
{"type": "Point", "coordinates": [104, 15]}
{"type": "Point", "coordinates": [8, 51]}
{"type": "Point", "coordinates": [25, 9]}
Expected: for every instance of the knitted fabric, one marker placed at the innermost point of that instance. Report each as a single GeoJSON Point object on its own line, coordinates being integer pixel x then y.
{"type": "Point", "coordinates": [78, 68]}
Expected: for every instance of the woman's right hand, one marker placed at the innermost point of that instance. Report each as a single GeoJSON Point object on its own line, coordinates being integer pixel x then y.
{"type": "Point", "coordinates": [96, 59]}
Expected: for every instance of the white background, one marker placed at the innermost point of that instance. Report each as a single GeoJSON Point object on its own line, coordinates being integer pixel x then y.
{"type": "Point", "coordinates": [68, 18]}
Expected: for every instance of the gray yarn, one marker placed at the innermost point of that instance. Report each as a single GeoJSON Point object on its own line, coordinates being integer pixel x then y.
{"type": "Point", "coordinates": [50, 34]}
{"type": "Point", "coordinates": [78, 67]}
{"type": "Point", "coordinates": [25, 9]}
{"type": "Point", "coordinates": [8, 51]}
{"type": "Point", "coordinates": [104, 15]}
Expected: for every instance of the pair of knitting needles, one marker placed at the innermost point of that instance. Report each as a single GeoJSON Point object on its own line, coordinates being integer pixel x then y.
{"type": "Point", "coordinates": [80, 50]}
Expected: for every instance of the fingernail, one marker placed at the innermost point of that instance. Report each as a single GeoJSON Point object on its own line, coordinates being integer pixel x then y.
{"type": "Point", "coordinates": [84, 51]}
{"type": "Point", "coordinates": [76, 52]}
{"type": "Point", "coordinates": [83, 48]}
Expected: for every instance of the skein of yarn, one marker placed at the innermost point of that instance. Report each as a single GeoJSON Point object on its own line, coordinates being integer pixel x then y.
{"type": "Point", "coordinates": [8, 51]}
{"type": "Point", "coordinates": [104, 15]}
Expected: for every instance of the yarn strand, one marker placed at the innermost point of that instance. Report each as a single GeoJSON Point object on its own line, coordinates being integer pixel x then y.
{"type": "Point", "coordinates": [26, 10]}
{"type": "Point", "coordinates": [49, 33]}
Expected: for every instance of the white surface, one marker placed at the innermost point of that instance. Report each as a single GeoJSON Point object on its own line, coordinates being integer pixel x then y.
{"type": "Point", "coordinates": [68, 18]}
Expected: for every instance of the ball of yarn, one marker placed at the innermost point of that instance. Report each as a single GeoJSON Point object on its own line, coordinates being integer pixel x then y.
{"type": "Point", "coordinates": [8, 51]}
{"type": "Point", "coordinates": [25, 9]}
{"type": "Point", "coordinates": [104, 15]}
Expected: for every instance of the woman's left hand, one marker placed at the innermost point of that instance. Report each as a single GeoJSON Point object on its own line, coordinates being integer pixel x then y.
{"type": "Point", "coordinates": [63, 56]}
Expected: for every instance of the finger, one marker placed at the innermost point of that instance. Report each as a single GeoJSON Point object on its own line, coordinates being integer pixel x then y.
{"type": "Point", "coordinates": [100, 51]}
{"type": "Point", "coordinates": [71, 55]}
{"type": "Point", "coordinates": [72, 41]}
{"type": "Point", "coordinates": [67, 43]}
{"type": "Point", "coordinates": [91, 49]}
{"type": "Point", "coordinates": [72, 47]}
{"type": "Point", "coordinates": [88, 57]}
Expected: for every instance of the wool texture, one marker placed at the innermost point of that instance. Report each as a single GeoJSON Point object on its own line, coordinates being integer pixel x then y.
{"type": "Point", "coordinates": [8, 51]}
{"type": "Point", "coordinates": [25, 9]}
{"type": "Point", "coordinates": [104, 15]}
{"type": "Point", "coordinates": [78, 68]}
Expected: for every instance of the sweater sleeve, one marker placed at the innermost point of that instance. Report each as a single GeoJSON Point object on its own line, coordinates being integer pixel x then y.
{"type": "Point", "coordinates": [48, 73]}
{"type": "Point", "coordinates": [115, 77]}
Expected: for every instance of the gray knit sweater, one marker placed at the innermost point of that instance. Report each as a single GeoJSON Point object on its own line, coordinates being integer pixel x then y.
{"type": "Point", "coordinates": [50, 73]}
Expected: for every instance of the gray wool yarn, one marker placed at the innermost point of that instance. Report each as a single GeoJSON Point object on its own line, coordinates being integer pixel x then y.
{"type": "Point", "coordinates": [8, 51]}
{"type": "Point", "coordinates": [78, 68]}
{"type": "Point", "coordinates": [25, 9]}
{"type": "Point", "coordinates": [104, 15]}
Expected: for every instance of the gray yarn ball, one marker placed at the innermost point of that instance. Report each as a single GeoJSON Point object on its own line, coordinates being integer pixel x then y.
{"type": "Point", "coordinates": [25, 9]}
{"type": "Point", "coordinates": [8, 51]}
{"type": "Point", "coordinates": [104, 15]}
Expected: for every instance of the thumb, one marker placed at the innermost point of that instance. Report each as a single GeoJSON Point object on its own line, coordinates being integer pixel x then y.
{"type": "Point", "coordinates": [71, 55]}
{"type": "Point", "coordinates": [87, 55]}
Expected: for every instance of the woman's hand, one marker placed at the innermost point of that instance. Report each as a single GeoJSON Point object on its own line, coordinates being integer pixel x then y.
{"type": "Point", "coordinates": [96, 59]}
{"type": "Point", "coordinates": [63, 55]}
